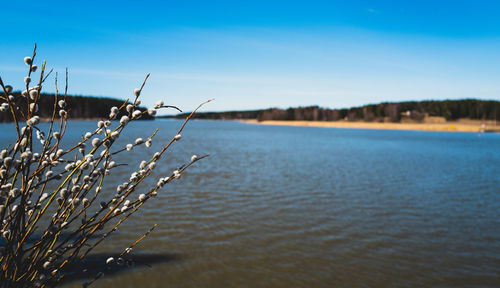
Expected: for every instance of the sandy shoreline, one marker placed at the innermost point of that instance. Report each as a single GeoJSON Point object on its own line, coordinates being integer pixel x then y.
{"type": "Point", "coordinates": [459, 126]}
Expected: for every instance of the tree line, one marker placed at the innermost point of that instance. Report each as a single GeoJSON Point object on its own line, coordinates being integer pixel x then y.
{"type": "Point", "coordinates": [382, 112]}
{"type": "Point", "coordinates": [80, 107]}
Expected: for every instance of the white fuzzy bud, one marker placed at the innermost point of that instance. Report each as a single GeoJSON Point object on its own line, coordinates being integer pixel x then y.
{"type": "Point", "coordinates": [177, 174]}
{"type": "Point", "coordinates": [61, 104]}
{"type": "Point", "coordinates": [43, 197]}
{"type": "Point", "coordinates": [152, 165]}
{"type": "Point", "coordinates": [129, 108]}
{"type": "Point", "coordinates": [96, 142]}
{"type": "Point", "coordinates": [63, 193]}
{"type": "Point", "coordinates": [124, 120]}
{"type": "Point", "coordinates": [158, 104]}
{"type": "Point", "coordinates": [129, 147]}
{"type": "Point", "coordinates": [177, 137]}
{"type": "Point", "coordinates": [111, 164]}
{"type": "Point", "coordinates": [160, 182]}
{"type": "Point", "coordinates": [84, 166]}
{"type": "Point", "coordinates": [7, 161]}
{"type": "Point", "coordinates": [194, 158]}
{"type": "Point", "coordinates": [133, 177]}
{"type": "Point", "coordinates": [28, 61]}
{"type": "Point", "coordinates": [89, 157]}
{"type": "Point", "coordinates": [27, 155]}
{"type": "Point", "coordinates": [33, 93]}
{"type": "Point", "coordinates": [137, 92]}
{"type": "Point", "coordinates": [137, 114]}
{"type": "Point", "coordinates": [114, 135]}
{"type": "Point", "coordinates": [34, 107]}
{"type": "Point", "coordinates": [14, 192]}
{"type": "Point", "coordinates": [33, 121]}
{"type": "Point", "coordinates": [142, 197]}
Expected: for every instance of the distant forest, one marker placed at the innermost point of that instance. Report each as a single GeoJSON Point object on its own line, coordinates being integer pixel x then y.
{"type": "Point", "coordinates": [383, 112]}
{"type": "Point", "coordinates": [82, 107]}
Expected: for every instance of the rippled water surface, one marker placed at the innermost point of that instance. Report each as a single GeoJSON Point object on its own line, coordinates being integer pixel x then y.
{"type": "Point", "coordinates": [314, 207]}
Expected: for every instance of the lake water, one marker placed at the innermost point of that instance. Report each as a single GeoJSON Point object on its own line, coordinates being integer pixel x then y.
{"type": "Point", "coordinates": [313, 207]}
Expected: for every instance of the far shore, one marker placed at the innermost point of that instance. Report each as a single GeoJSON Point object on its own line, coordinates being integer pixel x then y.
{"type": "Point", "coordinates": [455, 126]}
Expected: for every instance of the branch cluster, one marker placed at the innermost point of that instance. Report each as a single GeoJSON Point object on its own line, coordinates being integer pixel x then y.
{"type": "Point", "coordinates": [44, 229]}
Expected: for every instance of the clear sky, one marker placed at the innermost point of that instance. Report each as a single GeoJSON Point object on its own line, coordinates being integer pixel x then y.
{"type": "Point", "coordinates": [259, 54]}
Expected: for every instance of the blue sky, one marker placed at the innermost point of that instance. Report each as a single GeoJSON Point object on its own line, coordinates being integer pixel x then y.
{"type": "Point", "coordinates": [259, 54]}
